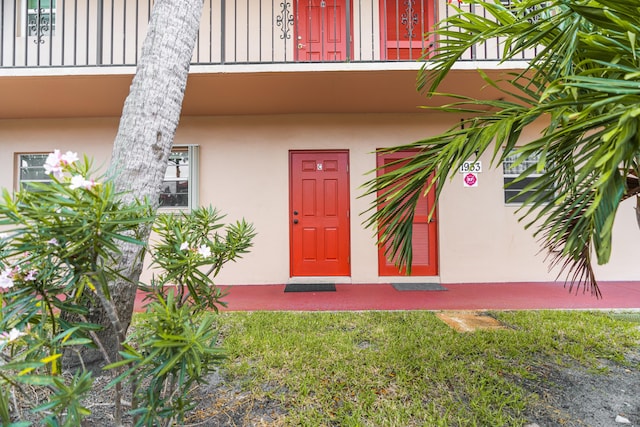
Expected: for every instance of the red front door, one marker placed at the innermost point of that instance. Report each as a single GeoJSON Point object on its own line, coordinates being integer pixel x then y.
{"type": "Point", "coordinates": [424, 241]}
{"type": "Point", "coordinates": [404, 24]}
{"type": "Point", "coordinates": [319, 213]}
{"type": "Point", "coordinates": [321, 30]}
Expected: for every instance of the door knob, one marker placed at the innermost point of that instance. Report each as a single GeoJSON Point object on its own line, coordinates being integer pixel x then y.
{"type": "Point", "coordinates": [295, 221]}
{"type": "Point", "coordinates": [295, 212]}
{"type": "Point", "coordinates": [300, 45]}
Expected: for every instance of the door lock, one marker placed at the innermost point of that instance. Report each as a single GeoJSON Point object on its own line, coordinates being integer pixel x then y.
{"type": "Point", "coordinates": [300, 46]}
{"type": "Point", "coordinates": [295, 221]}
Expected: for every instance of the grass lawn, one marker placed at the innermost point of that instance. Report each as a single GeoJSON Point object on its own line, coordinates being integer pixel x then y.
{"type": "Point", "coordinates": [409, 368]}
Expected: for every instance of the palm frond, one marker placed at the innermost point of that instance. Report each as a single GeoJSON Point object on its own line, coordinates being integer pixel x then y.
{"type": "Point", "coordinates": [584, 79]}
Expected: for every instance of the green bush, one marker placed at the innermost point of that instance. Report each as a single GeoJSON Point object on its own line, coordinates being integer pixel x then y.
{"type": "Point", "coordinates": [58, 247]}
{"type": "Point", "coordinates": [176, 342]}
{"type": "Point", "coordinates": [56, 250]}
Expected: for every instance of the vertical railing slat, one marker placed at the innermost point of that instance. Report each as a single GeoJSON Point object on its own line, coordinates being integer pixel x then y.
{"type": "Point", "coordinates": [137, 21]}
{"type": "Point", "coordinates": [2, 27]}
{"type": "Point", "coordinates": [223, 26]}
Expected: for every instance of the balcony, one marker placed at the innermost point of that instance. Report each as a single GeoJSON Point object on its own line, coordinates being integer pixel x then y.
{"type": "Point", "coordinates": [76, 58]}
{"type": "Point", "coordinates": [98, 33]}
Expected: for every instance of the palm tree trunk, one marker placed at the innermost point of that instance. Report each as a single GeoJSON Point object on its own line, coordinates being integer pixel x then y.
{"type": "Point", "coordinates": [143, 143]}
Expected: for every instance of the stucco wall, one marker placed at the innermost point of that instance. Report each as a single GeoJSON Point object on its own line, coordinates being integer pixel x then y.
{"type": "Point", "coordinates": [244, 172]}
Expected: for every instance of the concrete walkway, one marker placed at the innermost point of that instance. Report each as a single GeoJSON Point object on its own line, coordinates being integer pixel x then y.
{"type": "Point", "coordinates": [467, 296]}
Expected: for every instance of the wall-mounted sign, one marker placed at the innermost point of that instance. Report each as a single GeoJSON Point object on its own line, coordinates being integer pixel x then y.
{"type": "Point", "coordinates": [474, 167]}
{"type": "Point", "coordinates": [470, 179]}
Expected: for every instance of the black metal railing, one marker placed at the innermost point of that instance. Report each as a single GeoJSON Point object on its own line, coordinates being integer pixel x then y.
{"type": "Point", "coordinates": [80, 33]}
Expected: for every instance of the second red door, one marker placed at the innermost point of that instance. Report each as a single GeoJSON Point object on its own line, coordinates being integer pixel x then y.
{"type": "Point", "coordinates": [425, 231]}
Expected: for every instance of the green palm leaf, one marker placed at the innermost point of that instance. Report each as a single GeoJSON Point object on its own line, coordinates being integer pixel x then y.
{"type": "Point", "coordinates": [584, 80]}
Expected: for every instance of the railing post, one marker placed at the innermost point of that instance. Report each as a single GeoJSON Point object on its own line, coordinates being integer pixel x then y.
{"type": "Point", "coordinates": [223, 29]}
{"type": "Point", "coordinates": [100, 32]}
{"type": "Point", "coordinates": [434, 20]}
{"type": "Point", "coordinates": [348, 28]}
{"type": "Point", "coordinates": [2, 33]}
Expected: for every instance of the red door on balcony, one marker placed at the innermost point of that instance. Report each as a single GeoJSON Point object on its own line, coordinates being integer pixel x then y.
{"type": "Point", "coordinates": [321, 31]}
{"type": "Point", "coordinates": [425, 231]}
{"type": "Point", "coordinates": [319, 213]}
{"type": "Point", "coordinates": [404, 24]}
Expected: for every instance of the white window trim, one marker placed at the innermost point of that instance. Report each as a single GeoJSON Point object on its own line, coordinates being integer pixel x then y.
{"type": "Point", "coordinates": [511, 172]}
{"type": "Point", "coordinates": [193, 152]}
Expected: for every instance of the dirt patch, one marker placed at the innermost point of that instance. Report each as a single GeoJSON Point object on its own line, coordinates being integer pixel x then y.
{"type": "Point", "coordinates": [225, 405]}
{"type": "Point", "coordinates": [469, 321]}
{"type": "Point", "coordinates": [577, 397]}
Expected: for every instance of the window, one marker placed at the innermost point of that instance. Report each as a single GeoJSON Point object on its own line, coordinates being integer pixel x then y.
{"type": "Point", "coordinates": [512, 189]}
{"type": "Point", "coordinates": [530, 12]}
{"type": "Point", "coordinates": [179, 188]}
{"type": "Point", "coordinates": [40, 18]}
{"type": "Point", "coordinates": [31, 169]}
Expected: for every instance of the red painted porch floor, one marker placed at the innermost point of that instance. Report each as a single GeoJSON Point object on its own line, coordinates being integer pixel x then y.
{"type": "Point", "coordinates": [463, 296]}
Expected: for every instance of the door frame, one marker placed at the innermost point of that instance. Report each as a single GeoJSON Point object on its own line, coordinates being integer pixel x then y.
{"type": "Point", "coordinates": [290, 216]}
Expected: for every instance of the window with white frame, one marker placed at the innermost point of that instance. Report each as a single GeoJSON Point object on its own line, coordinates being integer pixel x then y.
{"type": "Point", "coordinates": [511, 171]}
{"type": "Point", "coordinates": [38, 18]}
{"type": "Point", "coordinates": [31, 169]}
{"type": "Point", "coordinates": [179, 187]}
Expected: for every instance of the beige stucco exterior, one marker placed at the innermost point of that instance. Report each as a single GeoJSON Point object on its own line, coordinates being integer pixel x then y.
{"type": "Point", "coordinates": [248, 103]}
{"type": "Point", "coordinates": [244, 172]}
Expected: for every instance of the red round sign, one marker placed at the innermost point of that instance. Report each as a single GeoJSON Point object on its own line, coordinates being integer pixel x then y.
{"type": "Point", "coordinates": [470, 179]}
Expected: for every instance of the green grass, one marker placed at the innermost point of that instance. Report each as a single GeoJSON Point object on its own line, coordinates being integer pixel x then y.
{"type": "Point", "coordinates": [409, 368]}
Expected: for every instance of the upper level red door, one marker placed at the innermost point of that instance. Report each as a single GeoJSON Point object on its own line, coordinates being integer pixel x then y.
{"type": "Point", "coordinates": [319, 213]}
{"type": "Point", "coordinates": [404, 24]}
{"type": "Point", "coordinates": [425, 231]}
{"type": "Point", "coordinates": [321, 30]}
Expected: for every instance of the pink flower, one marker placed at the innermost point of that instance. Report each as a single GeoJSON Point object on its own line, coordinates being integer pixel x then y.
{"type": "Point", "coordinates": [53, 242]}
{"type": "Point", "coordinates": [78, 181]}
{"type": "Point", "coordinates": [6, 278]}
{"type": "Point", "coordinates": [56, 162]}
{"type": "Point", "coordinates": [69, 158]}
{"type": "Point", "coordinates": [184, 246]}
{"type": "Point", "coordinates": [53, 164]}
{"type": "Point", "coordinates": [89, 184]}
{"type": "Point", "coordinates": [205, 251]}
{"type": "Point", "coordinates": [31, 276]}
{"type": "Point", "coordinates": [12, 335]}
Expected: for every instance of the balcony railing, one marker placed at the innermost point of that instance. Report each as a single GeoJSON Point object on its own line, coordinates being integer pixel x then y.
{"type": "Point", "coordinates": [80, 33]}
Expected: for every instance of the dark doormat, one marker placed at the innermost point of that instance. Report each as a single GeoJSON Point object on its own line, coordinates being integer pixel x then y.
{"type": "Point", "coordinates": [310, 287]}
{"type": "Point", "coordinates": [418, 287]}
